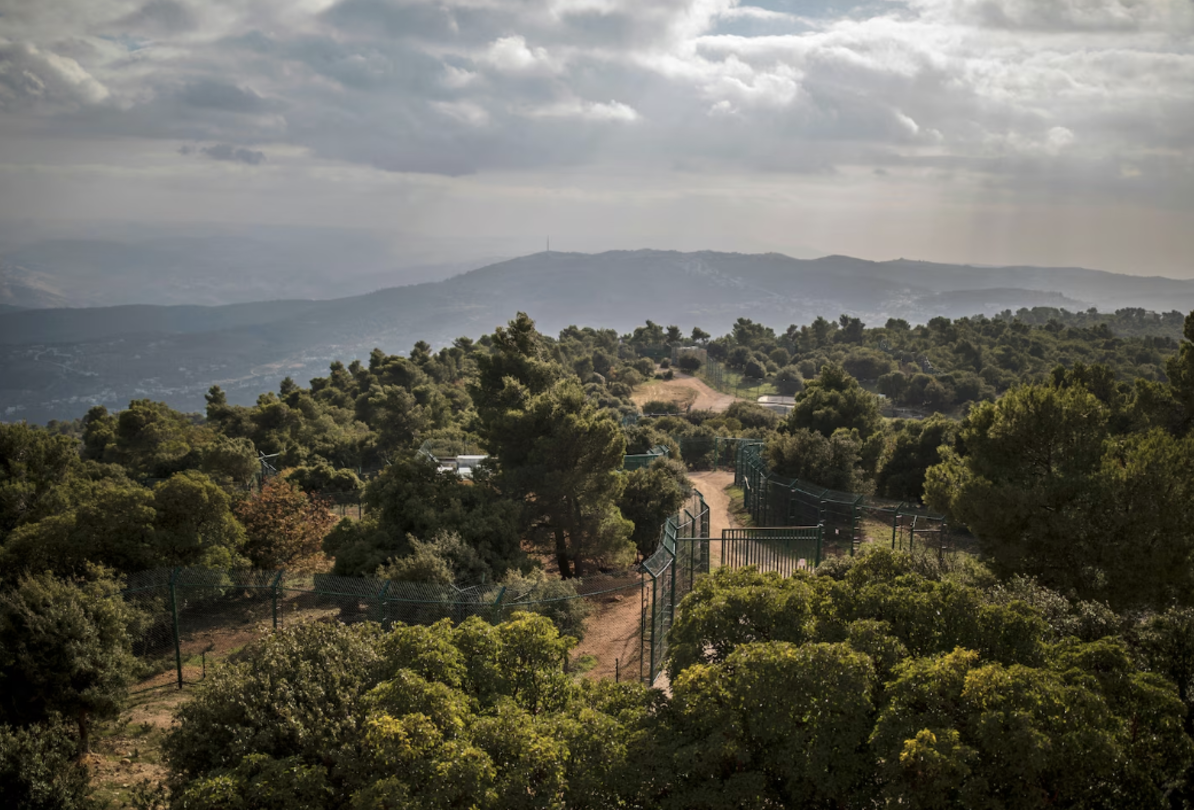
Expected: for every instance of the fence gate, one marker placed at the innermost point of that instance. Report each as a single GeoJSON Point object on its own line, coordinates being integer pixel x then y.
{"type": "Point", "coordinates": [782, 549]}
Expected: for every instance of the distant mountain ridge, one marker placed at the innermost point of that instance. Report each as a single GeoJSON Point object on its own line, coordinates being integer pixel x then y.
{"type": "Point", "coordinates": [55, 363]}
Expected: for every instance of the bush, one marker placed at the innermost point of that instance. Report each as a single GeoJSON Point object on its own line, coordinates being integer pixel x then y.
{"type": "Point", "coordinates": [660, 406]}
{"type": "Point", "coordinates": [689, 362]}
{"type": "Point", "coordinates": [788, 381]}
{"type": "Point", "coordinates": [309, 706]}
{"type": "Point", "coordinates": [629, 377]}
{"type": "Point", "coordinates": [554, 598]}
{"type": "Point", "coordinates": [751, 415]}
{"type": "Point", "coordinates": [65, 650]}
{"type": "Point", "coordinates": [38, 770]}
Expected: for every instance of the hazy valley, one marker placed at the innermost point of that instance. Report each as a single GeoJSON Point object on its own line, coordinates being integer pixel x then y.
{"type": "Point", "coordinates": [57, 362]}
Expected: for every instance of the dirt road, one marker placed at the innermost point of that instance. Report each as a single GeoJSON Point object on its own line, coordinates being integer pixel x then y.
{"type": "Point", "coordinates": [678, 390]}
{"type": "Point", "coordinates": [612, 629]}
{"type": "Point", "coordinates": [713, 486]}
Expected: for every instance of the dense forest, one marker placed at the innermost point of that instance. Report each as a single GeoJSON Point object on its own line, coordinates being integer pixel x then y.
{"type": "Point", "coordinates": [1055, 668]}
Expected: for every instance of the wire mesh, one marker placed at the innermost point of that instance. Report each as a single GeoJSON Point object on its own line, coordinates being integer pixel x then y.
{"type": "Point", "coordinates": [848, 518]}
{"type": "Point", "coordinates": [190, 612]}
{"type": "Point", "coordinates": [668, 575]}
{"type": "Point", "coordinates": [638, 461]}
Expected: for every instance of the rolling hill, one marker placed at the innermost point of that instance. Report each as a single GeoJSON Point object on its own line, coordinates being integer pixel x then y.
{"type": "Point", "coordinates": [56, 363]}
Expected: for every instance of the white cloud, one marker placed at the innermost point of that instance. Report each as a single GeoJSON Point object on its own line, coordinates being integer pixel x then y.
{"type": "Point", "coordinates": [586, 111]}
{"type": "Point", "coordinates": [465, 112]}
{"type": "Point", "coordinates": [30, 76]}
{"type": "Point", "coordinates": [512, 54]}
{"type": "Point", "coordinates": [1000, 94]}
{"type": "Point", "coordinates": [1066, 15]}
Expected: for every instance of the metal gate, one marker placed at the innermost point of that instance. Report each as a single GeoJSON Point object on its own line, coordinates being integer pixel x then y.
{"type": "Point", "coordinates": [782, 549]}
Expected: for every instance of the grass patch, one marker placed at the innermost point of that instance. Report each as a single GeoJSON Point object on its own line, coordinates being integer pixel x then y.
{"type": "Point", "coordinates": [584, 663]}
{"type": "Point", "coordinates": [126, 761]}
{"type": "Point", "coordinates": [670, 391]}
{"type": "Point", "coordinates": [733, 382]}
{"type": "Point", "coordinates": [738, 506]}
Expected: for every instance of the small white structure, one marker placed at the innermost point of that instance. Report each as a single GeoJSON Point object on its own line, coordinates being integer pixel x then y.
{"type": "Point", "coordinates": [466, 464]}
{"type": "Point", "coordinates": [781, 405]}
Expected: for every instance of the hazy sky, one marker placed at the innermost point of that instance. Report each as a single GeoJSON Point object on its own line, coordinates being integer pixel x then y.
{"type": "Point", "coordinates": [992, 131]}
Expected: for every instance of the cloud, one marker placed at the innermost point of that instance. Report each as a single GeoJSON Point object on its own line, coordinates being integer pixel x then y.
{"type": "Point", "coordinates": [220, 95]}
{"type": "Point", "coordinates": [1066, 15]}
{"type": "Point", "coordinates": [587, 111]}
{"type": "Point", "coordinates": [512, 54]}
{"type": "Point", "coordinates": [159, 17]}
{"type": "Point", "coordinates": [30, 76]}
{"type": "Point", "coordinates": [1002, 90]}
{"type": "Point", "coordinates": [226, 152]}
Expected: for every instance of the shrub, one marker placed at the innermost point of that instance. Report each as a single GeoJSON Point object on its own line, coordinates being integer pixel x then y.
{"type": "Point", "coordinates": [38, 770]}
{"type": "Point", "coordinates": [660, 406]}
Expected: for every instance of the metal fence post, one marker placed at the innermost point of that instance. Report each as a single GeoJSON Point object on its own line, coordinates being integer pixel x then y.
{"type": "Point", "coordinates": [274, 595]}
{"type": "Point", "coordinates": [820, 535]}
{"type": "Point", "coordinates": [174, 615]}
{"type": "Point", "coordinates": [642, 627]}
{"type": "Point", "coordinates": [654, 610]}
{"type": "Point", "coordinates": [895, 526]}
{"type": "Point", "coordinates": [497, 606]}
{"type": "Point", "coordinates": [385, 606]}
{"type": "Point", "coordinates": [855, 523]}
{"type": "Point", "coordinates": [671, 608]}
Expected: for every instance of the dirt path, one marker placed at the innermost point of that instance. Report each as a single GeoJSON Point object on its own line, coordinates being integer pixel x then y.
{"type": "Point", "coordinates": [612, 635]}
{"type": "Point", "coordinates": [681, 389]}
{"type": "Point", "coordinates": [713, 486]}
{"type": "Point", "coordinates": [612, 628]}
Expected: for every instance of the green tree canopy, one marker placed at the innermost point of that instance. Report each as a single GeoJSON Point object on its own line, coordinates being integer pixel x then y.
{"type": "Point", "coordinates": [834, 462]}
{"type": "Point", "coordinates": [560, 456]}
{"type": "Point", "coordinates": [33, 463]}
{"type": "Point", "coordinates": [1051, 493]}
{"type": "Point", "coordinates": [650, 496]}
{"type": "Point", "coordinates": [65, 648]}
{"type": "Point", "coordinates": [412, 498]}
{"type": "Point", "coordinates": [833, 400]}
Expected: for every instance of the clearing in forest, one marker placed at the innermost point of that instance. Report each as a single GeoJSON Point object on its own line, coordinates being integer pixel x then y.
{"type": "Point", "coordinates": [684, 390]}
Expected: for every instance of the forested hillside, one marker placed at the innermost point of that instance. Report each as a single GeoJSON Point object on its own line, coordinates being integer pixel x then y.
{"type": "Point", "coordinates": [55, 363]}
{"type": "Point", "coordinates": [1050, 669]}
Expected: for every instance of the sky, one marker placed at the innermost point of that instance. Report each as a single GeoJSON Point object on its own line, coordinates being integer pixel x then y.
{"type": "Point", "coordinates": [1047, 132]}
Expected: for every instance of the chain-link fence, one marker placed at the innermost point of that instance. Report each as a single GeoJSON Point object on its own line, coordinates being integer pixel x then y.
{"type": "Point", "coordinates": [709, 452]}
{"type": "Point", "coordinates": [637, 461]}
{"type": "Point", "coordinates": [668, 576]}
{"type": "Point", "coordinates": [720, 377]}
{"type": "Point", "coordinates": [193, 613]}
{"type": "Point", "coordinates": [848, 519]}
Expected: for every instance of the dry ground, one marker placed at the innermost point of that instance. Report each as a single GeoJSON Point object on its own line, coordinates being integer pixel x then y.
{"type": "Point", "coordinates": [684, 390]}
{"type": "Point", "coordinates": [127, 751]}
{"type": "Point", "coordinates": [612, 629]}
